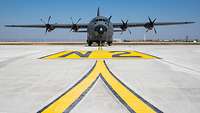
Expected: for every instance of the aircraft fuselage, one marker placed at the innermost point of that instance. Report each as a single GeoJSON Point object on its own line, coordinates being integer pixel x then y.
{"type": "Point", "coordinates": [100, 30]}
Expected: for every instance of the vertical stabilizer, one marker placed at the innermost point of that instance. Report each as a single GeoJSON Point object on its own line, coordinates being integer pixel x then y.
{"type": "Point", "coordinates": [98, 12]}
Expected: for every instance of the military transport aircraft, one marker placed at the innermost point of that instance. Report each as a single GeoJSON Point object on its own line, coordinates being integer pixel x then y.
{"type": "Point", "coordinates": [100, 29]}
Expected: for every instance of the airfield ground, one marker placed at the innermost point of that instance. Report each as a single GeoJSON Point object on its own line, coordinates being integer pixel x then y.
{"type": "Point", "coordinates": [168, 81]}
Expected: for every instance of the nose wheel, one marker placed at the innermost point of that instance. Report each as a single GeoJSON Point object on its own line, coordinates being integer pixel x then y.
{"type": "Point", "coordinates": [101, 43]}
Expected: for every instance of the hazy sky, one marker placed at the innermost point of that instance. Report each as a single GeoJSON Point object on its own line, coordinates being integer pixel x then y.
{"type": "Point", "coordinates": [30, 12]}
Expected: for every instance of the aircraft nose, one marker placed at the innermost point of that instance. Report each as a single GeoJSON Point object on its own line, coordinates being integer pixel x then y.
{"type": "Point", "coordinates": [100, 29]}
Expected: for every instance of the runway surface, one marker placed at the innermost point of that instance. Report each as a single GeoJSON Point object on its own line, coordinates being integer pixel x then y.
{"type": "Point", "coordinates": [116, 79]}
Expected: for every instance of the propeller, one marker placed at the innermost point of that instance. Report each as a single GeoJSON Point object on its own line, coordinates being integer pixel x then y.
{"type": "Point", "coordinates": [109, 19]}
{"type": "Point", "coordinates": [151, 25]}
{"type": "Point", "coordinates": [124, 26]}
{"type": "Point", "coordinates": [74, 25]}
{"type": "Point", "coordinates": [48, 26]}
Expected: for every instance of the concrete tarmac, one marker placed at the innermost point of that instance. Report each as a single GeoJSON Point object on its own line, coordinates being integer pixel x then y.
{"type": "Point", "coordinates": [29, 84]}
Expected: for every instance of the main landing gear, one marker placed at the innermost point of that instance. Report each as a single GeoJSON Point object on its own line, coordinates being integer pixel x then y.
{"type": "Point", "coordinates": [99, 43]}
{"type": "Point", "coordinates": [89, 43]}
{"type": "Point", "coordinates": [109, 43]}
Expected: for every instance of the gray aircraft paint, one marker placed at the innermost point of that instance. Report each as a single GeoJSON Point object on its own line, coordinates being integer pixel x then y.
{"type": "Point", "coordinates": [103, 24]}
{"type": "Point", "coordinates": [100, 29]}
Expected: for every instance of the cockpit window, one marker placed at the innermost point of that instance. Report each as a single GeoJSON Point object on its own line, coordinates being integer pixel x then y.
{"type": "Point", "coordinates": [104, 20]}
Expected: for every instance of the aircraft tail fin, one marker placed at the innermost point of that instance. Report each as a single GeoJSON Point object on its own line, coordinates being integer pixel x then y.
{"type": "Point", "coordinates": [98, 12]}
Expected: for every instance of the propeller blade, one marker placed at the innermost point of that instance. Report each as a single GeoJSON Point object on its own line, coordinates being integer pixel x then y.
{"type": "Point", "coordinates": [78, 20]}
{"type": "Point", "coordinates": [129, 31]}
{"type": "Point", "coordinates": [109, 18]}
{"type": "Point", "coordinates": [154, 20]}
{"type": "Point", "coordinates": [155, 30]}
{"type": "Point", "coordinates": [46, 31]}
{"type": "Point", "coordinates": [150, 20]}
{"type": "Point", "coordinates": [72, 20]}
{"type": "Point", "coordinates": [49, 19]}
{"type": "Point", "coordinates": [126, 22]}
{"type": "Point", "coordinates": [123, 22]}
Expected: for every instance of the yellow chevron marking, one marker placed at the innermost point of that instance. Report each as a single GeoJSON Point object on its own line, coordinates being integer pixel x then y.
{"type": "Point", "coordinates": [100, 69]}
{"type": "Point", "coordinates": [99, 54]}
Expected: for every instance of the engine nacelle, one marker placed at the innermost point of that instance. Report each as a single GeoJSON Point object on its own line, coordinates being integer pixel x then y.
{"type": "Point", "coordinates": [51, 28]}
{"type": "Point", "coordinates": [149, 26]}
{"type": "Point", "coordinates": [75, 28]}
{"type": "Point", "coordinates": [124, 25]}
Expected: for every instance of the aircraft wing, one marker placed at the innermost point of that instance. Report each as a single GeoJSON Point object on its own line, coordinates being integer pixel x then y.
{"type": "Point", "coordinates": [119, 25]}
{"type": "Point", "coordinates": [52, 25]}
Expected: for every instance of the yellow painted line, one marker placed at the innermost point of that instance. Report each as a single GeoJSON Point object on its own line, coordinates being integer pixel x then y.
{"type": "Point", "coordinates": [72, 95]}
{"type": "Point", "coordinates": [135, 103]}
{"type": "Point", "coordinates": [145, 56]}
{"type": "Point", "coordinates": [75, 56]}
{"type": "Point", "coordinates": [57, 55]}
{"type": "Point", "coordinates": [130, 99]}
{"type": "Point", "coordinates": [100, 54]}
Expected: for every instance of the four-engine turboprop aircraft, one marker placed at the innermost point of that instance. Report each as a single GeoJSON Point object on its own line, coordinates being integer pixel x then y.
{"type": "Point", "coordinates": [100, 29]}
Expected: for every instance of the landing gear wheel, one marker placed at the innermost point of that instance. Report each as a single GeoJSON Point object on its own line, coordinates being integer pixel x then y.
{"type": "Point", "coordinates": [99, 44]}
{"type": "Point", "coordinates": [109, 43]}
{"type": "Point", "coordinates": [89, 43]}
